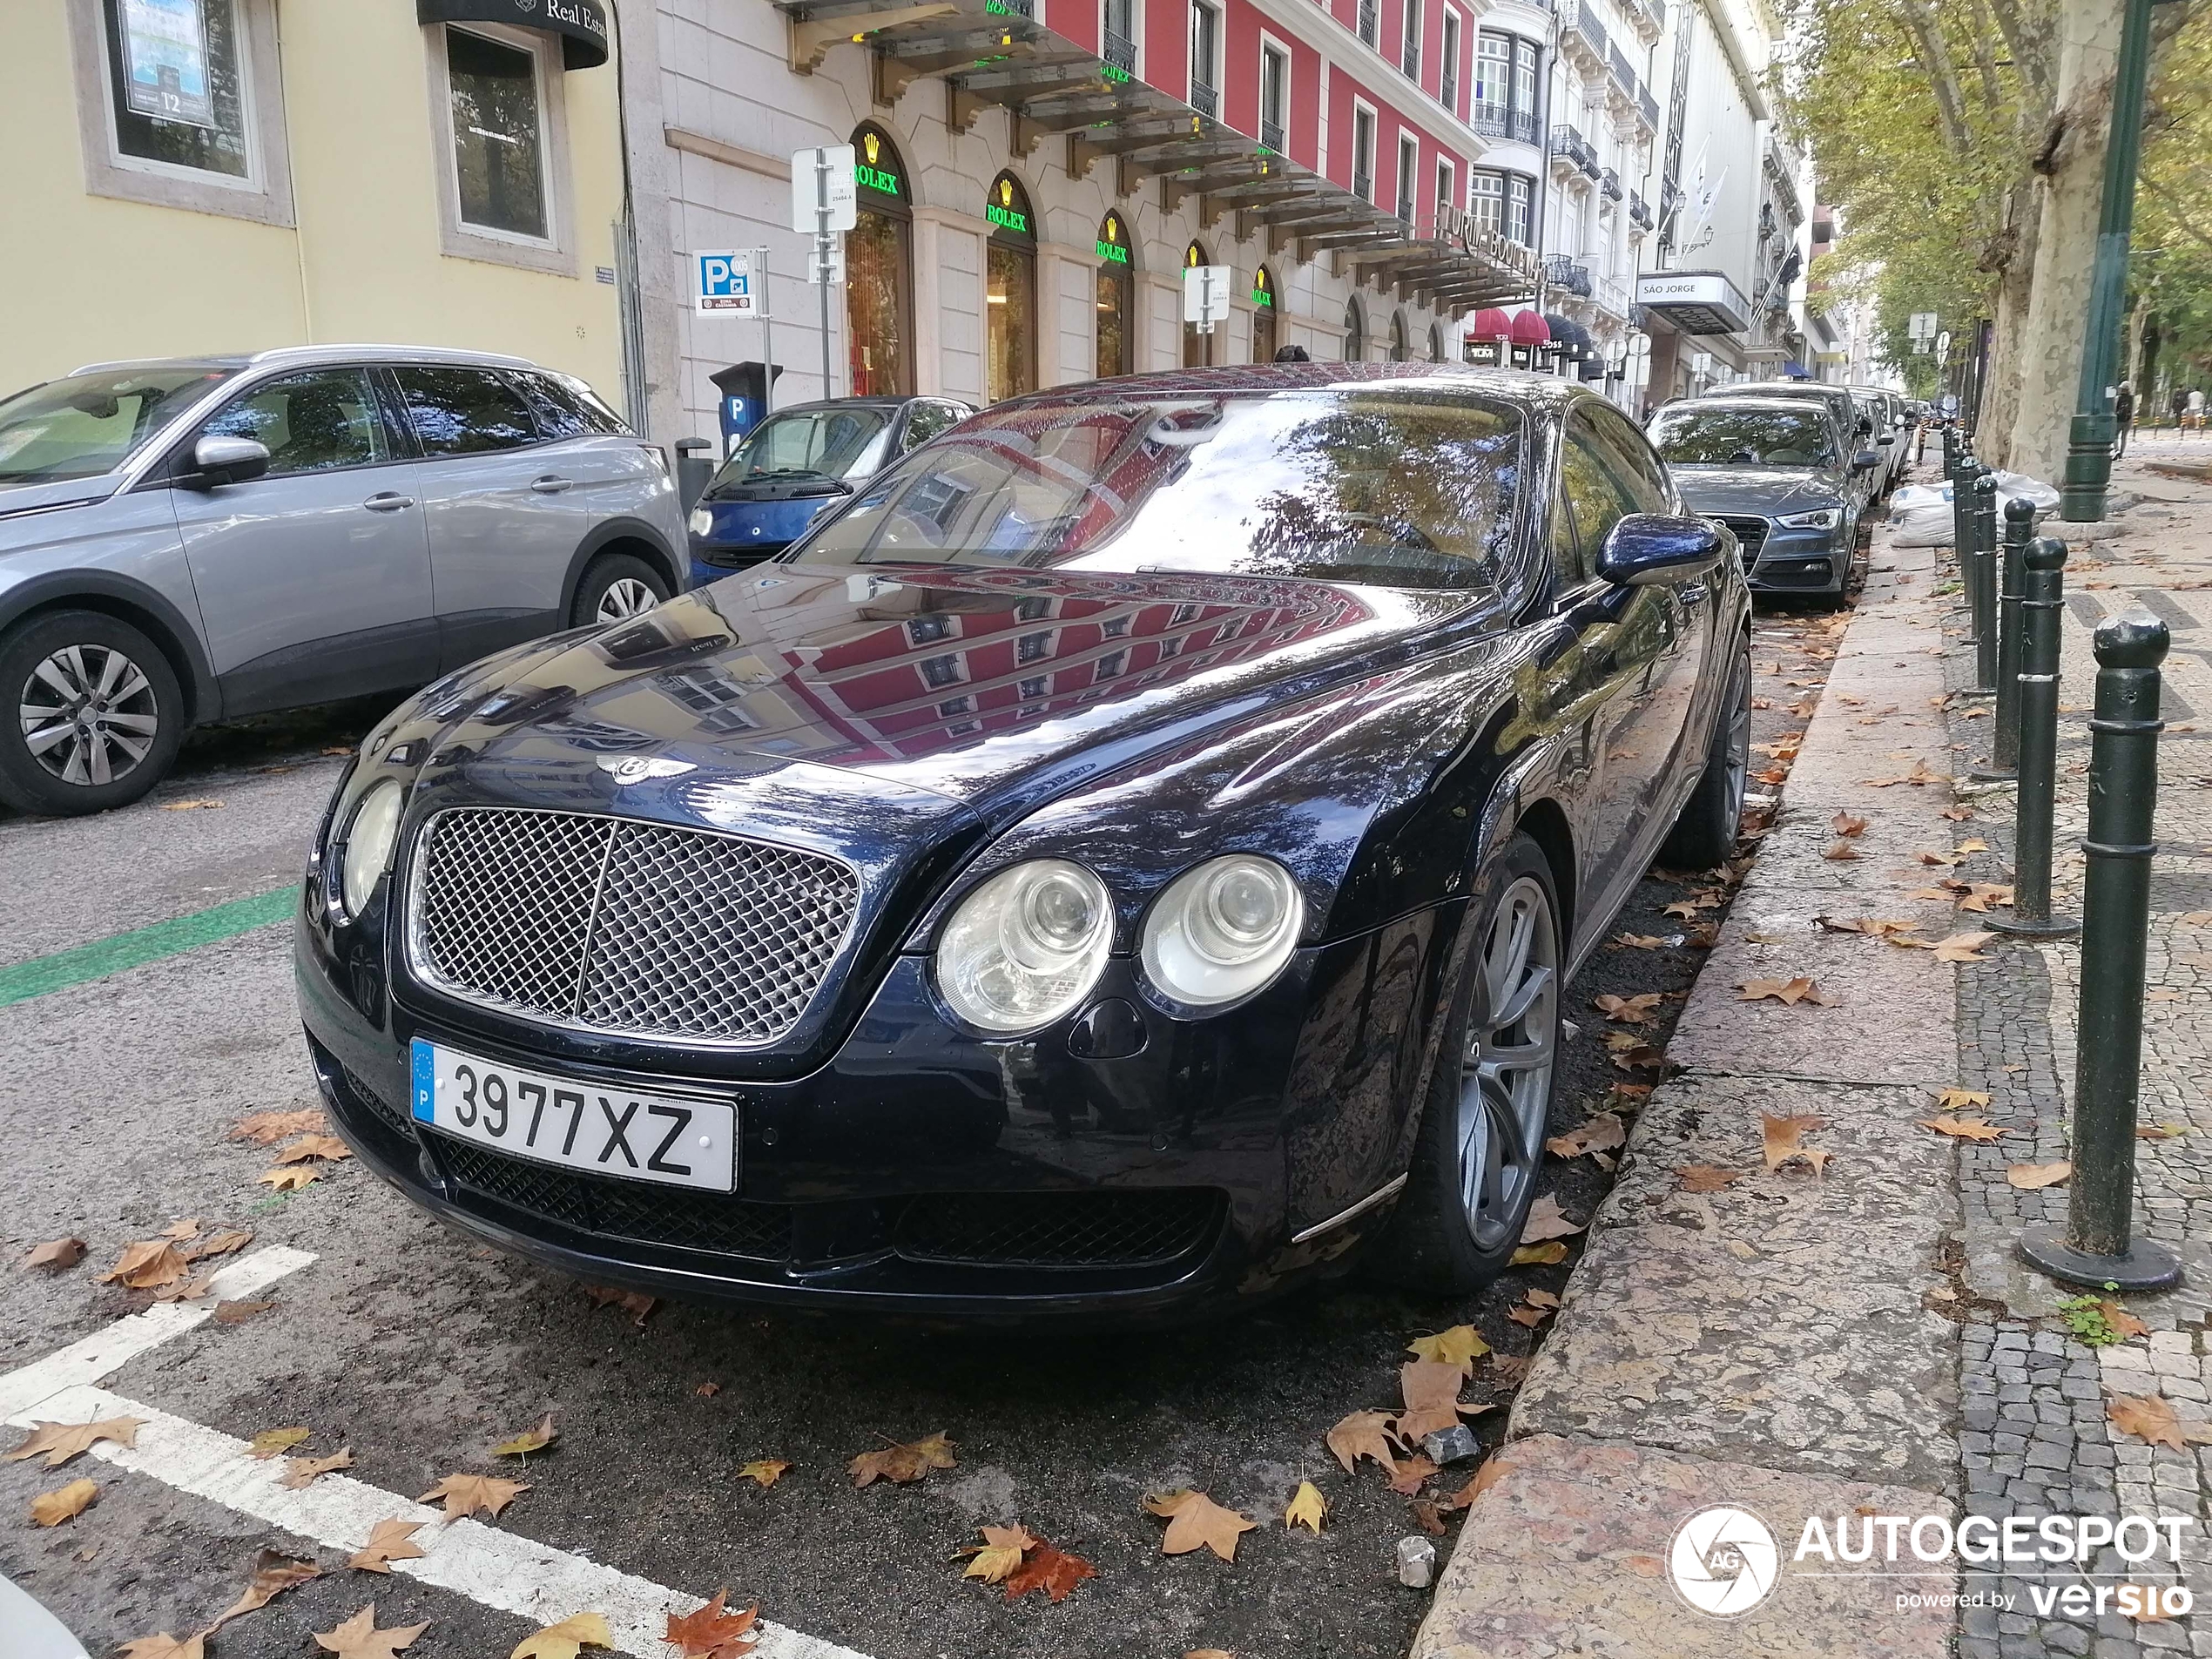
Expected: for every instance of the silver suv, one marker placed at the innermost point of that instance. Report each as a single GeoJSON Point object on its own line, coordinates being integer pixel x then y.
{"type": "Point", "coordinates": [202, 538]}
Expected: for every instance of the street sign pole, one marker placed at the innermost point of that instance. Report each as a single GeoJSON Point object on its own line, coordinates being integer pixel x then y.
{"type": "Point", "coordinates": [822, 257]}
{"type": "Point", "coordinates": [768, 334]}
{"type": "Point", "coordinates": [822, 209]}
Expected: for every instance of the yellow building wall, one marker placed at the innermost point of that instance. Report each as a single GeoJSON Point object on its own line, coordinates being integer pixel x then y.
{"type": "Point", "coordinates": [86, 278]}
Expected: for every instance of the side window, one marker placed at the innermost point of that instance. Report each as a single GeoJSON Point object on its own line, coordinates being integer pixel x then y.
{"type": "Point", "coordinates": [1635, 466]}
{"type": "Point", "coordinates": [1590, 484]}
{"type": "Point", "coordinates": [312, 423]}
{"type": "Point", "coordinates": [564, 411]}
{"type": "Point", "coordinates": [925, 421]}
{"type": "Point", "coordinates": [464, 411]}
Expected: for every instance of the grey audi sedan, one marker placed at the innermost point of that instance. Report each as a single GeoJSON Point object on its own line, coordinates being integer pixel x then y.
{"type": "Point", "coordinates": [197, 539]}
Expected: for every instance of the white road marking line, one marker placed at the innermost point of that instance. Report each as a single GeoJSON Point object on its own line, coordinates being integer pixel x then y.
{"type": "Point", "coordinates": [108, 1350]}
{"type": "Point", "coordinates": [484, 1563]}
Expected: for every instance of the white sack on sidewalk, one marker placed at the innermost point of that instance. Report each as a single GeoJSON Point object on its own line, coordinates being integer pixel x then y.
{"type": "Point", "coordinates": [1920, 514]}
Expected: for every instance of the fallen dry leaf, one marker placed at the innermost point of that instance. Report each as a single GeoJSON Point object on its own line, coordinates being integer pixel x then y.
{"type": "Point", "coordinates": [56, 1254]}
{"type": "Point", "coordinates": [1628, 1010]}
{"type": "Point", "coordinates": [388, 1541]}
{"type": "Point", "coordinates": [713, 1632]}
{"type": "Point", "coordinates": [272, 1442]}
{"type": "Point", "coordinates": [1788, 992]}
{"type": "Point", "coordinates": [62, 1441]}
{"type": "Point", "coordinates": [1545, 1255]}
{"type": "Point", "coordinates": [359, 1638]}
{"type": "Point", "coordinates": [1431, 1392]}
{"type": "Point", "coordinates": [63, 1503]}
{"type": "Point", "coordinates": [1405, 1476]}
{"type": "Point", "coordinates": [328, 1147]}
{"type": "Point", "coordinates": [1840, 853]}
{"type": "Point", "coordinates": [1954, 1098]}
{"type": "Point", "coordinates": [1706, 1178]}
{"type": "Point", "coordinates": [902, 1465]}
{"type": "Point", "coordinates": [1639, 942]}
{"type": "Point", "coordinates": [764, 1472]}
{"type": "Point", "coordinates": [2031, 1177]}
{"type": "Point", "coordinates": [1601, 1133]}
{"type": "Point", "coordinates": [995, 1558]}
{"type": "Point", "coordinates": [301, 1471]}
{"type": "Point", "coordinates": [1546, 1220]}
{"type": "Point", "coordinates": [1362, 1434]}
{"type": "Point", "coordinates": [635, 1304]}
{"type": "Point", "coordinates": [465, 1494]}
{"type": "Point", "coordinates": [1494, 1469]}
{"type": "Point", "coordinates": [147, 1265]}
{"type": "Point", "coordinates": [1196, 1522]}
{"type": "Point", "coordinates": [273, 1574]}
{"type": "Point", "coordinates": [1780, 1136]}
{"type": "Point", "coordinates": [220, 1243]}
{"type": "Point", "coordinates": [1846, 826]}
{"type": "Point", "coordinates": [529, 1440]}
{"type": "Point", "coordinates": [2146, 1417]}
{"type": "Point", "coordinates": [1428, 1515]}
{"type": "Point", "coordinates": [290, 1179]}
{"type": "Point", "coordinates": [203, 806]}
{"type": "Point", "coordinates": [1962, 1129]}
{"type": "Point", "coordinates": [240, 1312]}
{"type": "Point", "coordinates": [1458, 1346]}
{"type": "Point", "coordinates": [1054, 1571]}
{"type": "Point", "coordinates": [708, 1390]}
{"type": "Point", "coordinates": [566, 1638]}
{"type": "Point", "coordinates": [2122, 1323]}
{"type": "Point", "coordinates": [264, 1129]}
{"type": "Point", "coordinates": [1308, 1509]}
{"type": "Point", "coordinates": [1962, 947]}
{"type": "Point", "coordinates": [164, 1646]}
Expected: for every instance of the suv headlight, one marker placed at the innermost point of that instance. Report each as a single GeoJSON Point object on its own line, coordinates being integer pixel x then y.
{"type": "Point", "coordinates": [1026, 947]}
{"type": "Point", "coordinates": [701, 521]}
{"type": "Point", "coordinates": [369, 835]}
{"type": "Point", "coordinates": [1821, 518]}
{"type": "Point", "coordinates": [1223, 930]}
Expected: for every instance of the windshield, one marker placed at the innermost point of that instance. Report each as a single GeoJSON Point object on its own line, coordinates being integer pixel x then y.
{"type": "Point", "coordinates": [839, 443]}
{"type": "Point", "coordinates": [1696, 437]}
{"type": "Point", "coordinates": [1393, 488]}
{"type": "Point", "coordinates": [84, 425]}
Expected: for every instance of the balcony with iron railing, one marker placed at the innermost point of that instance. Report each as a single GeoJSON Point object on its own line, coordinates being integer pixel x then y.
{"type": "Point", "coordinates": [1609, 182]}
{"type": "Point", "coordinates": [1496, 121]}
{"type": "Point", "coordinates": [1119, 50]}
{"type": "Point", "coordinates": [1614, 297]}
{"type": "Point", "coordinates": [1617, 62]}
{"type": "Point", "coordinates": [1363, 185]}
{"type": "Point", "coordinates": [1409, 60]}
{"type": "Point", "coordinates": [1270, 134]}
{"type": "Point", "coordinates": [1647, 109]}
{"type": "Point", "coordinates": [1370, 20]}
{"type": "Point", "coordinates": [1638, 210]}
{"type": "Point", "coordinates": [1570, 275]}
{"type": "Point", "coordinates": [1404, 207]}
{"type": "Point", "coordinates": [1205, 98]}
{"type": "Point", "coordinates": [1579, 28]}
{"type": "Point", "coordinates": [1569, 145]}
{"type": "Point", "coordinates": [1447, 91]}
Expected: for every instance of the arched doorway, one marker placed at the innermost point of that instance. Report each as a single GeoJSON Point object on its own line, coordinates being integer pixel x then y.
{"type": "Point", "coordinates": [1197, 348]}
{"type": "Point", "coordinates": [1399, 349]}
{"type": "Point", "coordinates": [878, 269]}
{"type": "Point", "coordinates": [1264, 337]}
{"type": "Point", "coordinates": [1116, 300]}
{"type": "Point", "coordinates": [1010, 291]}
{"type": "Point", "coordinates": [1355, 332]}
{"type": "Point", "coordinates": [1436, 352]}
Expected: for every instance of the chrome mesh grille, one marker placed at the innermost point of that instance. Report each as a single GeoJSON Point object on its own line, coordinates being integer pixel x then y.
{"type": "Point", "coordinates": [622, 927]}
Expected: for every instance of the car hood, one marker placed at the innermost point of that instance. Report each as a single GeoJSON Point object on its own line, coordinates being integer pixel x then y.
{"type": "Point", "coordinates": [983, 691]}
{"type": "Point", "coordinates": [18, 499]}
{"type": "Point", "coordinates": [1767, 491]}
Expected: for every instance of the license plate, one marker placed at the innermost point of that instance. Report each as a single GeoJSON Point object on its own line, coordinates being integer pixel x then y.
{"type": "Point", "coordinates": [576, 1125]}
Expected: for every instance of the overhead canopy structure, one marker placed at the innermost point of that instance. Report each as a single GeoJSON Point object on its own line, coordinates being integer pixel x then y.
{"type": "Point", "coordinates": [992, 52]}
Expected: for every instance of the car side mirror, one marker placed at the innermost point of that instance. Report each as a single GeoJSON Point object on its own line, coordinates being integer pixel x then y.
{"type": "Point", "coordinates": [1648, 550]}
{"type": "Point", "coordinates": [1887, 437]}
{"type": "Point", "coordinates": [226, 461]}
{"type": "Point", "coordinates": [1865, 461]}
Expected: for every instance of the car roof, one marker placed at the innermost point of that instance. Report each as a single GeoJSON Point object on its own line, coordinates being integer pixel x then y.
{"type": "Point", "coordinates": [306, 356]}
{"type": "Point", "coordinates": [1779, 405]}
{"type": "Point", "coordinates": [869, 402]}
{"type": "Point", "coordinates": [1517, 385]}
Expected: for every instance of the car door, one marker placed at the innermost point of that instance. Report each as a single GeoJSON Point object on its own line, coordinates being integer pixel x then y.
{"type": "Point", "coordinates": [313, 579]}
{"type": "Point", "coordinates": [604, 470]}
{"type": "Point", "coordinates": [498, 504]}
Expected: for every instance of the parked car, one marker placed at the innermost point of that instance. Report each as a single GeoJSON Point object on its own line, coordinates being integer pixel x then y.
{"type": "Point", "coordinates": [799, 463]}
{"type": "Point", "coordinates": [1852, 419]}
{"type": "Point", "coordinates": [197, 539]}
{"type": "Point", "coordinates": [1126, 859]}
{"type": "Point", "coordinates": [1776, 471]}
{"type": "Point", "coordinates": [1880, 405]}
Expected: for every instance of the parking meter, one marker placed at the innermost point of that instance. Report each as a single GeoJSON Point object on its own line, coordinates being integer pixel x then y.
{"type": "Point", "coordinates": [744, 402]}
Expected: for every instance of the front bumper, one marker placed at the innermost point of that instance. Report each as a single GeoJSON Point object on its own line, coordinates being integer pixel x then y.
{"type": "Point", "coordinates": [923, 1172]}
{"type": "Point", "coordinates": [1779, 559]}
{"type": "Point", "coordinates": [713, 560]}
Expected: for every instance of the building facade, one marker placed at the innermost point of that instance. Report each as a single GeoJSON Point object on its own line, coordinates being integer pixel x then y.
{"type": "Point", "coordinates": [1035, 176]}
{"type": "Point", "coordinates": [228, 175]}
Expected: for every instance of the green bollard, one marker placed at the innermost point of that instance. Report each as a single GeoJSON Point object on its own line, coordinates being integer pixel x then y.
{"type": "Point", "coordinates": [2094, 1247]}
{"type": "Point", "coordinates": [1981, 582]}
{"type": "Point", "coordinates": [2039, 746]}
{"type": "Point", "coordinates": [1962, 499]}
{"type": "Point", "coordinates": [2005, 742]}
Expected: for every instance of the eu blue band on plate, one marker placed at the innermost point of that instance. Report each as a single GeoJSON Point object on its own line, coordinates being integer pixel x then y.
{"type": "Point", "coordinates": [425, 1111]}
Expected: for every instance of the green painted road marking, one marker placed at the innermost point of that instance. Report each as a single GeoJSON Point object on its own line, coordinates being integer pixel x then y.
{"type": "Point", "coordinates": [112, 954]}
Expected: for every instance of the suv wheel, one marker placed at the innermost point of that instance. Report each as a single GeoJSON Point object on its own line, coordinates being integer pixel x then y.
{"type": "Point", "coordinates": [616, 587]}
{"type": "Point", "coordinates": [94, 714]}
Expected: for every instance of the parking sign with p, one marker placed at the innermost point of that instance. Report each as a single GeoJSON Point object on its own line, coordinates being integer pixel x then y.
{"type": "Point", "coordinates": [728, 286]}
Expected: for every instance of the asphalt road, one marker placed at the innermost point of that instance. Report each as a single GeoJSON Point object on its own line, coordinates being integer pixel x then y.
{"type": "Point", "coordinates": [417, 1351]}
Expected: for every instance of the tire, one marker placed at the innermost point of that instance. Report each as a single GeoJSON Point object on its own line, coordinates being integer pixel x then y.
{"type": "Point", "coordinates": [93, 714]}
{"type": "Point", "coordinates": [1705, 832]}
{"type": "Point", "coordinates": [1482, 1123]}
{"type": "Point", "coordinates": [616, 586]}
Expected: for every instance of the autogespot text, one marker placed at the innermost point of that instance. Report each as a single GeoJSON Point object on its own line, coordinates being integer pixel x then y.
{"type": "Point", "coordinates": [2043, 1547]}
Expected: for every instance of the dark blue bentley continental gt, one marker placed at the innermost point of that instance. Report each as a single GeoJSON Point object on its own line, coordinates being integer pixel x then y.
{"type": "Point", "coordinates": [1125, 860]}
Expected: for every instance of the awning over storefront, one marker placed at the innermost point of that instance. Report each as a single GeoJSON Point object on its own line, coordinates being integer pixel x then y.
{"type": "Point", "coordinates": [1694, 302]}
{"type": "Point", "coordinates": [582, 24]}
{"type": "Point", "coordinates": [990, 52]}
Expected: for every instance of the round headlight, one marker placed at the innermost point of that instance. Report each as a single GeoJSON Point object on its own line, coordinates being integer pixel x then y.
{"type": "Point", "coordinates": [370, 836]}
{"type": "Point", "coordinates": [1223, 930]}
{"type": "Point", "coordinates": [1025, 947]}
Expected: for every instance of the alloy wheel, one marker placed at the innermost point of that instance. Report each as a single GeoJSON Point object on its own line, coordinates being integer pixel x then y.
{"type": "Point", "coordinates": [88, 714]}
{"type": "Point", "coordinates": [625, 597]}
{"type": "Point", "coordinates": [1738, 761]}
{"type": "Point", "coordinates": [1506, 1075]}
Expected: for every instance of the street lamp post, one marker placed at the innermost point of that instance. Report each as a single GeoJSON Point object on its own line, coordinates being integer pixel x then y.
{"type": "Point", "coordinates": [2088, 461]}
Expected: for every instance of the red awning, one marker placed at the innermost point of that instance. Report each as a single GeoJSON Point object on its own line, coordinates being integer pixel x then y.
{"type": "Point", "coordinates": [1490, 323]}
{"type": "Point", "coordinates": [1530, 329]}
